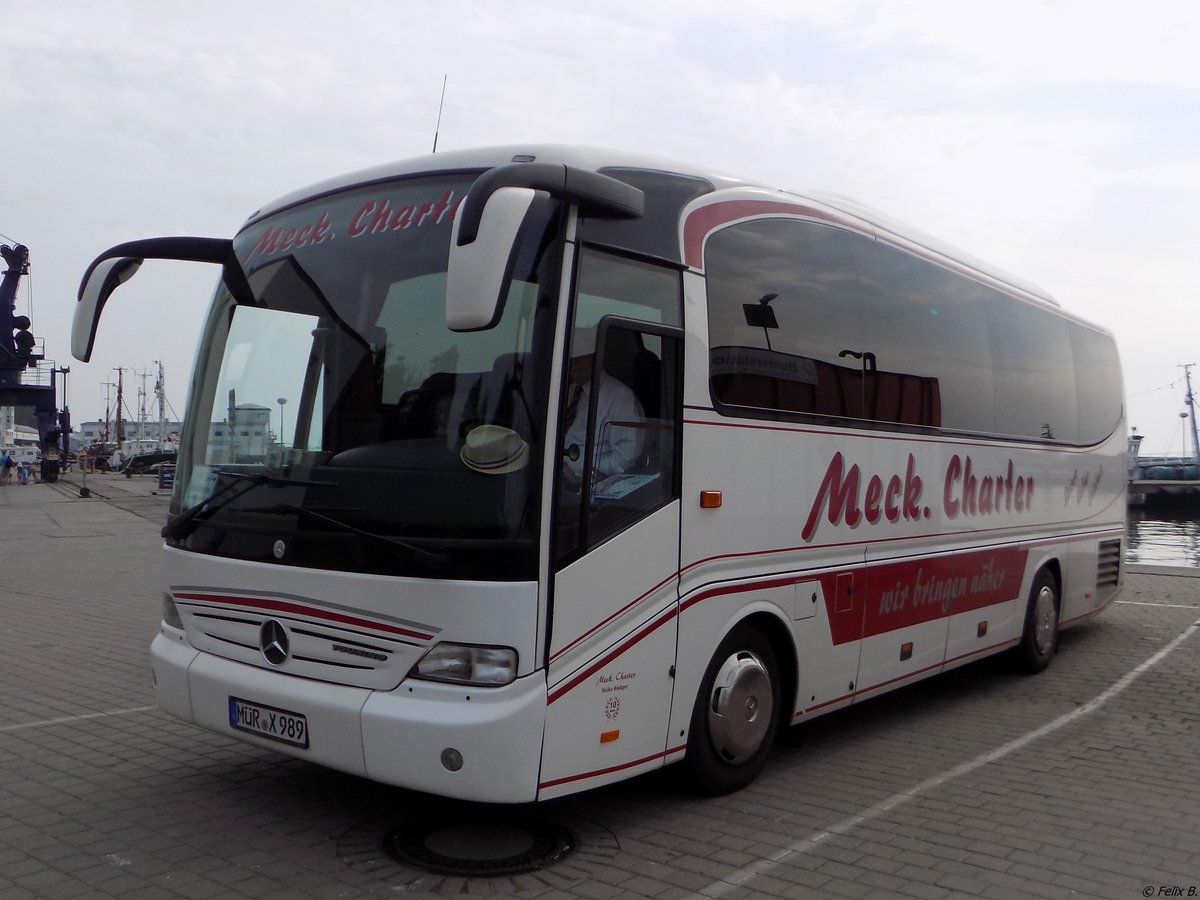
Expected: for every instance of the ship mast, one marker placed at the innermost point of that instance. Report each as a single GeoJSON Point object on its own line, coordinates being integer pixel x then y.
{"type": "Point", "coordinates": [160, 396]}
{"type": "Point", "coordinates": [141, 427]}
{"type": "Point", "coordinates": [1190, 400]}
{"type": "Point", "coordinates": [107, 435]}
{"type": "Point", "coordinates": [120, 401]}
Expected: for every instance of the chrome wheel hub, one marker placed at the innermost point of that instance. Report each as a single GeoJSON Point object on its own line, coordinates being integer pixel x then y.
{"type": "Point", "coordinates": [1045, 620]}
{"type": "Point", "coordinates": [740, 707]}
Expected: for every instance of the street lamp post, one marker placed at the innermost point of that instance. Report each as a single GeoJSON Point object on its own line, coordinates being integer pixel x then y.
{"type": "Point", "coordinates": [282, 433]}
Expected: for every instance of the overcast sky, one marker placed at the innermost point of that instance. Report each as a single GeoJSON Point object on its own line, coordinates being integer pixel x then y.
{"type": "Point", "coordinates": [1057, 140]}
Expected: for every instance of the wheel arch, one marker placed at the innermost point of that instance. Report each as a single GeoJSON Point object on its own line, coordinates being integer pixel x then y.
{"type": "Point", "coordinates": [724, 751]}
{"type": "Point", "coordinates": [778, 632]}
{"type": "Point", "coordinates": [1041, 622]}
{"type": "Point", "coordinates": [1053, 565]}
{"type": "Point", "coordinates": [1050, 561]}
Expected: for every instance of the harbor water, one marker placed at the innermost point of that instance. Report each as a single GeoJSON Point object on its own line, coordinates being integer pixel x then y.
{"type": "Point", "coordinates": [1163, 537]}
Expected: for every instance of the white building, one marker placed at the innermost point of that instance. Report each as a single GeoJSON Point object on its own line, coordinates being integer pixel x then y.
{"type": "Point", "coordinates": [88, 433]}
{"type": "Point", "coordinates": [22, 440]}
{"type": "Point", "coordinates": [248, 437]}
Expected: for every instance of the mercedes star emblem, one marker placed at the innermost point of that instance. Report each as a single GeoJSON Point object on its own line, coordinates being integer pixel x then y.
{"type": "Point", "coordinates": [273, 641]}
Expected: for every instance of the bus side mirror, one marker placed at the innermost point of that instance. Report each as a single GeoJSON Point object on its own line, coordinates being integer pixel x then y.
{"type": "Point", "coordinates": [99, 283]}
{"type": "Point", "coordinates": [116, 265]}
{"type": "Point", "coordinates": [479, 271]}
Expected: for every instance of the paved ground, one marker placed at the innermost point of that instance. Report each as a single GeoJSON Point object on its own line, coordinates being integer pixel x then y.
{"type": "Point", "coordinates": [1084, 781]}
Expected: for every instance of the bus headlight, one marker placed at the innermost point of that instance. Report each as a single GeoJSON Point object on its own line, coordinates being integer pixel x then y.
{"type": "Point", "coordinates": [170, 613]}
{"type": "Point", "coordinates": [465, 664]}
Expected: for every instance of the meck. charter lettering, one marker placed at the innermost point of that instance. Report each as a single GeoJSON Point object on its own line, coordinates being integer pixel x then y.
{"type": "Point", "coordinates": [848, 496]}
{"type": "Point", "coordinates": [374, 216]}
{"type": "Point", "coordinates": [839, 493]}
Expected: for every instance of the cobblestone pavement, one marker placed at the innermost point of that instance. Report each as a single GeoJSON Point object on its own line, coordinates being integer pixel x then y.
{"type": "Point", "coordinates": [1083, 781]}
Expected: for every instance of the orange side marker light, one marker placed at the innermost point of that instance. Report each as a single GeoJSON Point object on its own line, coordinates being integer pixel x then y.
{"type": "Point", "coordinates": [710, 499]}
{"type": "Point", "coordinates": [607, 737]}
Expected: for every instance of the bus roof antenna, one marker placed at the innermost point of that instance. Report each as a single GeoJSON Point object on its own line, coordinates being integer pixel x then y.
{"type": "Point", "coordinates": [441, 103]}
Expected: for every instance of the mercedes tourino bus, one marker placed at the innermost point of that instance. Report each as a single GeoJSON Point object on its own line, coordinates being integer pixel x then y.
{"type": "Point", "coordinates": [509, 473]}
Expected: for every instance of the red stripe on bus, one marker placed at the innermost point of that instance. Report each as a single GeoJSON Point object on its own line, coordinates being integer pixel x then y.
{"type": "Point", "coordinates": [1090, 614]}
{"type": "Point", "coordinates": [845, 627]}
{"type": "Point", "coordinates": [1003, 645]}
{"type": "Point", "coordinates": [632, 603]}
{"type": "Point", "coordinates": [766, 585]}
{"type": "Point", "coordinates": [611, 655]}
{"type": "Point", "coordinates": [949, 441]}
{"type": "Point", "coordinates": [1014, 529]}
{"type": "Point", "coordinates": [568, 779]}
{"type": "Point", "coordinates": [302, 610]}
{"type": "Point", "coordinates": [991, 577]}
{"type": "Point", "coordinates": [992, 648]}
{"type": "Point", "coordinates": [702, 221]}
{"type": "Point", "coordinates": [840, 699]}
{"type": "Point", "coordinates": [902, 594]}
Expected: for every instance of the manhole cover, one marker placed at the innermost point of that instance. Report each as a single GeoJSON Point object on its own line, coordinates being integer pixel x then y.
{"type": "Point", "coordinates": [483, 848]}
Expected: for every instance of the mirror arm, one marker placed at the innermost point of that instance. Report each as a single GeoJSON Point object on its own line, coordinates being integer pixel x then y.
{"type": "Point", "coordinates": [117, 265]}
{"type": "Point", "coordinates": [218, 251]}
{"type": "Point", "coordinates": [596, 194]}
{"type": "Point", "coordinates": [188, 249]}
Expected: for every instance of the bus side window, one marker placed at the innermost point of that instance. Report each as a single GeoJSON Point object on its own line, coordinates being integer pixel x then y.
{"type": "Point", "coordinates": [611, 501]}
{"type": "Point", "coordinates": [634, 452]}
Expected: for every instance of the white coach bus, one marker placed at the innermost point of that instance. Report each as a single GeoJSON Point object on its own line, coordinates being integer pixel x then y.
{"type": "Point", "coordinates": [586, 464]}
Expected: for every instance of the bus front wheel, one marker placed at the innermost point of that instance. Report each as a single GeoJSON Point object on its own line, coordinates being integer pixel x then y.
{"type": "Point", "coordinates": [736, 713]}
{"type": "Point", "coordinates": [1040, 636]}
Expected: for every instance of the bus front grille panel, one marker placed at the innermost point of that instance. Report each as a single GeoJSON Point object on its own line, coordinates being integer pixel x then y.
{"type": "Point", "coordinates": [314, 649]}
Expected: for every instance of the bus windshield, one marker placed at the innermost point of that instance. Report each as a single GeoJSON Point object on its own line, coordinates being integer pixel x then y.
{"type": "Point", "coordinates": [336, 423]}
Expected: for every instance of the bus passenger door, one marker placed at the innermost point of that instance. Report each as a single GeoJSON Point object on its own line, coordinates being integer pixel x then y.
{"type": "Point", "coordinates": [616, 553]}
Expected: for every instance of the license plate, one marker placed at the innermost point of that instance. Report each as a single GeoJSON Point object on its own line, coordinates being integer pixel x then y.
{"type": "Point", "coordinates": [269, 722]}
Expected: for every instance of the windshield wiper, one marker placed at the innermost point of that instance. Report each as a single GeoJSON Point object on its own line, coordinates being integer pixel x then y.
{"type": "Point", "coordinates": [183, 524]}
{"type": "Point", "coordinates": [438, 559]}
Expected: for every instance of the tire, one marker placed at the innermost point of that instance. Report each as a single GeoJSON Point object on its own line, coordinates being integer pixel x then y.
{"type": "Point", "coordinates": [1039, 639]}
{"type": "Point", "coordinates": [736, 714]}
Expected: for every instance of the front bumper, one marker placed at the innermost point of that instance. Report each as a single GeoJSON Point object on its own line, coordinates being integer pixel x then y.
{"type": "Point", "coordinates": [395, 737]}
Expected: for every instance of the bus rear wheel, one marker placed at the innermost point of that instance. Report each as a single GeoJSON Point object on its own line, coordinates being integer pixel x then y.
{"type": "Point", "coordinates": [1040, 636]}
{"type": "Point", "coordinates": [736, 713]}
